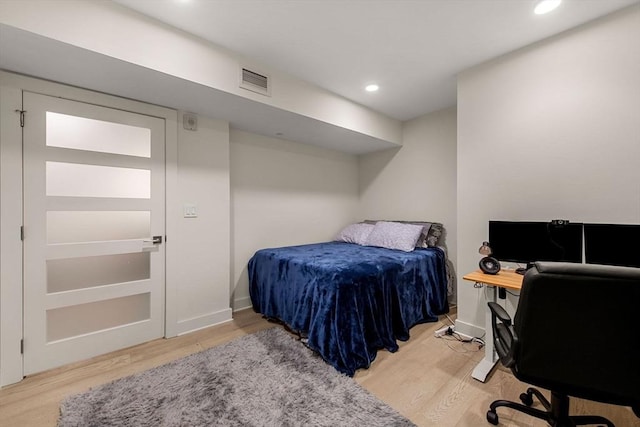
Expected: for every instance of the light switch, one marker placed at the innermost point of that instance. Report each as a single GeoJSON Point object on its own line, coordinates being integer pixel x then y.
{"type": "Point", "coordinates": [190, 211]}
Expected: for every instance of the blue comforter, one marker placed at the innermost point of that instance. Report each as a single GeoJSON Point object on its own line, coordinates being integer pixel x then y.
{"type": "Point", "coordinates": [349, 300]}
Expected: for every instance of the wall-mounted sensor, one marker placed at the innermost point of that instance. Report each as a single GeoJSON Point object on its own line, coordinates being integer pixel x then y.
{"type": "Point", "coordinates": [190, 121]}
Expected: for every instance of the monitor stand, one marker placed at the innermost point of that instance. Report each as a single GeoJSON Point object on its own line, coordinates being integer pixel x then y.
{"type": "Point", "coordinates": [522, 270]}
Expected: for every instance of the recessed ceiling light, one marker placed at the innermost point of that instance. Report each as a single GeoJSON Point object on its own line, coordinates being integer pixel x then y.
{"type": "Point", "coordinates": [545, 6]}
{"type": "Point", "coordinates": [372, 88]}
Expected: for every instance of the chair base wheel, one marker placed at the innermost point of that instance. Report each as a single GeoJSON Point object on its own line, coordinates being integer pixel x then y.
{"type": "Point", "coordinates": [492, 418]}
{"type": "Point", "coordinates": [526, 399]}
{"type": "Point", "coordinates": [555, 413]}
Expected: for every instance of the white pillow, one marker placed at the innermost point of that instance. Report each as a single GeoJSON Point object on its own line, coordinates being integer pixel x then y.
{"type": "Point", "coordinates": [394, 235]}
{"type": "Point", "coordinates": [355, 233]}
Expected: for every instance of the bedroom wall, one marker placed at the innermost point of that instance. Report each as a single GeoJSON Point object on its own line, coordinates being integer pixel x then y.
{"type": "Point", "coordinates": [549, 131]}
{"type": "Point", "coordinates": [201, 244]}
{"type": "Point", "coordinates": [284, 193]}
{"type": "Point", "coordinates": [418, 180]}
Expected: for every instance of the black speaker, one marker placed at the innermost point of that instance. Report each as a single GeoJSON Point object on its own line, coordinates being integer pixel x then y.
{"type": "Point", "coordinates": [489, 265]}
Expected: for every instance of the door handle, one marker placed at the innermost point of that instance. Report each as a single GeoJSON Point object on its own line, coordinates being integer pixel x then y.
{"type": "Point", "coordinates": [156, 240]}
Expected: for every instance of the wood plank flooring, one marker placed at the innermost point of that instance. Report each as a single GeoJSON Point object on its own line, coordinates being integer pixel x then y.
{"type": "Point", "coordinates": [428, 380]}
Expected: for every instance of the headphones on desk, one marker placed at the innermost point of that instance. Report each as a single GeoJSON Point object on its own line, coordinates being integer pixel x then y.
{"type": "Point", "coordinates": [489, 265]}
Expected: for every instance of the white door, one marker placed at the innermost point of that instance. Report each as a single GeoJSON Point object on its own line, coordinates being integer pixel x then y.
{"type": "Point", "coordinates": [93, 200]}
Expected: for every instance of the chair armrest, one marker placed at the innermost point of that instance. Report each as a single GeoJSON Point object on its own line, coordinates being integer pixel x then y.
{"type": "Point", "coordinates": [500, 313]}
{"type": "Point", "coordinates": [505, 340]}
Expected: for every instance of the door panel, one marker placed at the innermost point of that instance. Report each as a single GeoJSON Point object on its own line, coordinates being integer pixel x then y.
{"type": "Point", "coordinates": [95, 271]}
{"type": "Point", "coordinates": [82, 133]}
{"type": "Point", "coordinates": [92, 226]}
{"type": "Point", "coordinates": [77, 180]}
{"type": "Point", "coordinates": [93, 197]}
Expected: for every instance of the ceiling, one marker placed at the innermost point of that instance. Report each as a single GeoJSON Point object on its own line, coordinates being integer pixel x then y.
{"type": "Point", "coordinates": [413, 49]}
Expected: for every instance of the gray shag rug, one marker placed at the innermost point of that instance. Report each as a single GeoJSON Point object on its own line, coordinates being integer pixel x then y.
{"type": "Point", "coordinates": [265, 379]}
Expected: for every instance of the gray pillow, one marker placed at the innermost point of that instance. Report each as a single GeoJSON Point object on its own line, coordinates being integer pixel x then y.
{"type": "Point", "coordinates": [434, 236]}
{"type": "Point", "coordinates": [431, 235]}
{"type": "Point", "coordinates": [395, 235]}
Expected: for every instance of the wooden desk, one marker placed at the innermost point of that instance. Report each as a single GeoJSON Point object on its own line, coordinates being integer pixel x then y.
{"type": "Point", "coordinates": [504, 279]}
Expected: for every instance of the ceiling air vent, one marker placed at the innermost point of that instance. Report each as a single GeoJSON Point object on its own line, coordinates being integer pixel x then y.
{"type": "Point", "coordinates": [255, 82]}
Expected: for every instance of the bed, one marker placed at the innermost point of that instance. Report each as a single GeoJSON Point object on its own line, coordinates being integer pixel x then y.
{"type": "Point", "coordinates": [347, 299]}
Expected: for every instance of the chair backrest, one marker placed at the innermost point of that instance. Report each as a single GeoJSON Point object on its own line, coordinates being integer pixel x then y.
{"type": "Point", "coordinates": [578, 328]}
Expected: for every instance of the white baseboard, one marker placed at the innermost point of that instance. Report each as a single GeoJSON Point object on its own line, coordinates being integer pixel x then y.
{"type": "Point", "coordinates": [241, 309]}
{"type": "Point", "coordinates": [468, 329]}
{"type": "Point", "coordinates": [201, 322]}
{"type": "Point", "coordinates": [242, 303]}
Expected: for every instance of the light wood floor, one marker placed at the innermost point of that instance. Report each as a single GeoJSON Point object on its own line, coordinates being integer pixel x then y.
{"type": "Point", "coordinates": [428, 380]}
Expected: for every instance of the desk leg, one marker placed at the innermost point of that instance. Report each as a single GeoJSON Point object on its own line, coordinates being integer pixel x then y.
{"type": "Point", "coordinates": [484, 368]}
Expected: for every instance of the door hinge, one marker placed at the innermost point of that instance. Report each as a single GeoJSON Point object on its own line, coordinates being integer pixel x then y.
{"type": "Point", "coordinates": [21, 117]}
{"type": "Point", "coordinates": [22, 233]}
{"type": "Point", "coordinates": [22, 346]}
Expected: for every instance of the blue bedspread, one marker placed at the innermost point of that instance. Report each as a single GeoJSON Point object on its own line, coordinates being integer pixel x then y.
{"type": "Point", "coordinates": [349, 300]}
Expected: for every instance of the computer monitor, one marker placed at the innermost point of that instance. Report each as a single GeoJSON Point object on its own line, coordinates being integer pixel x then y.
{"type": "Point", "coordinates": [612, 244]}
{"type": "Point", "coordinates": [527, 241]}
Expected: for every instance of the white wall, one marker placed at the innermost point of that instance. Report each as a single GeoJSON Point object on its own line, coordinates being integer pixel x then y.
{"type": "Point", "coordinates": [202, 252]}
{"type": "Point", "coordinates": [417, 181]}
{"type": "Point", "coordinates": [285, 193]}
{"type": "Point", "coordinates": [549, 131]}
{"type": "Point", "coordinates": [11, 214]}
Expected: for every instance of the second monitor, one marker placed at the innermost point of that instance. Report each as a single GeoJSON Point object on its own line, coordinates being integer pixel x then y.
{"type": "Point", "coordinates": [525, 242]}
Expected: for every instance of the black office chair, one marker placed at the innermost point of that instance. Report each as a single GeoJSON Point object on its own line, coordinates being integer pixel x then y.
{"type": "Point", "coordinates": [575, 332]}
